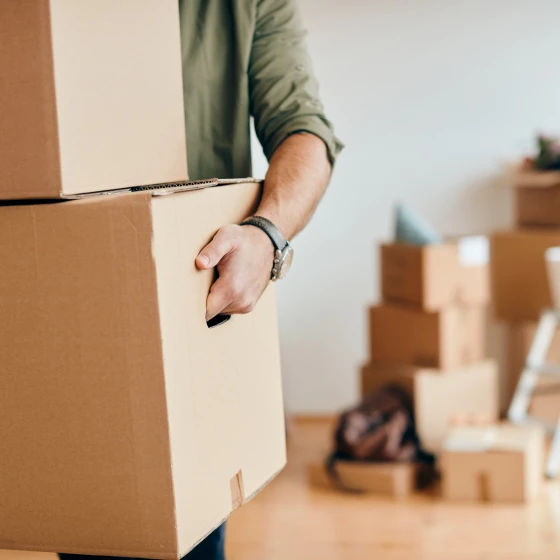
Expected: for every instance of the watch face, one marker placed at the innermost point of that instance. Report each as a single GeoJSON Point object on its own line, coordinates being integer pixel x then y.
{"type": "Point", "coordinates": [285, 262]}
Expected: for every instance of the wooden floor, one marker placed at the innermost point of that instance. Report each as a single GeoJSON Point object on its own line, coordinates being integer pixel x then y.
{"type": "Point", "coordinates": [290, 521]}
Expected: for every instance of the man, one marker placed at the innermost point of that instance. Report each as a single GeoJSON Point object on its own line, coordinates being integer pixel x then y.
{"type": "Point", "coordinates": [244, 58]}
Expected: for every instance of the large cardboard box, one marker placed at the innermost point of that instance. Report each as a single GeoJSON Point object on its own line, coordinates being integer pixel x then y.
{"type": "Point", "coordinates": [91, 96]}
{"type": "Point", "coordinates": [444, 339]}
{"type": "Point", "coordinates": [397, 480]}
{"type": "Point", "coordinates": [432, 276]}
{"type": "Point", "coordinates": [519, 278]}
{"type": "Point", "coordinates": [128, 427]}
{"type": "Point", "coordinates": [545, 403]}
{"type": "Point", "coordinates": [440, 397]}
{"type": "Point", "coordinates": [497, 463]}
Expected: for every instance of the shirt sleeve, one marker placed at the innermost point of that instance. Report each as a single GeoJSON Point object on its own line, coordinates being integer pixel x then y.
{"type": "Point", "coordinates": [284, 93]}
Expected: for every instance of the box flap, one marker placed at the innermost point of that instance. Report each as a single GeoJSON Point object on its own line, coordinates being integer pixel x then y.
{"type": "Point", "coordinates": [490, 438]}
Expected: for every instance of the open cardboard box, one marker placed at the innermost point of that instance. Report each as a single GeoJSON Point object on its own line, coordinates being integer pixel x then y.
{"type": "Point", "coordinates": [92, 96]}
{"type": "Point", "coordinates": [128, 427]}
{"type": "Point", "coordinates": [501, 463]}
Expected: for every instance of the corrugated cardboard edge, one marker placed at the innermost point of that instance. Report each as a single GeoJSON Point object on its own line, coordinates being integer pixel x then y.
{"type": "Point", "coordinates": [162, 189]}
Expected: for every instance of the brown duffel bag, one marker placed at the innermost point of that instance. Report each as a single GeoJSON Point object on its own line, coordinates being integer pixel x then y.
{"type": "Point", "coordinates": [381, 429]}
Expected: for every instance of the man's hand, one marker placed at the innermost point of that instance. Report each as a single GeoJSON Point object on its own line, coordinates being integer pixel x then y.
{"type": "Point", "coordinates": [243, 255]}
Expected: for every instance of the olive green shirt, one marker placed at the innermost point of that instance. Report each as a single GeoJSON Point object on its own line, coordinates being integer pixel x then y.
{"type": "Point", "coordinates": [242, 59]}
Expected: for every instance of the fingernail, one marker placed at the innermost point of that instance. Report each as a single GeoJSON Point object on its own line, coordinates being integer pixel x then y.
{"type": "Point", "coordinates": [203, 260]}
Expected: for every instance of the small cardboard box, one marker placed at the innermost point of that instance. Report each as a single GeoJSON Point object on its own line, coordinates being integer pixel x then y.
{"type": "Point", "coordinates": [128, 426]}
{"type": "Point", "coordinates": [538, 206]}
{"type": "Point", "coordinates": [497, 464]}
{"type": "Point", "coordinates": [440, 397]}
{"type": "Point", "coordinates": [389, 479]}
{"type": "Point", "coordinates": [519, 279]}
{"type": "Point", "coordinates": [433, 276]}
{"type": "Point", "coordinates": [545, 403]}
{"type": "Point", "coordinates": [91, 96]}
{"type": "Point", "coordinates": [528, 176]}
{"type": "Point", "coordinates": [444, 339]}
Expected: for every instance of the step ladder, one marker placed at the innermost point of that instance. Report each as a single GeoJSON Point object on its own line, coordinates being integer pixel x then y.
{"type": "Point", "coordinates": [536, 366]}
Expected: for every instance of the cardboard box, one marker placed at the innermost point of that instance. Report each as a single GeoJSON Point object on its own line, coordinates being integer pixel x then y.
{"type": "Point", "coordinates": [519, 280]}
{"type": "Point", "coordinates": [497, 464]}
{"type": "Point", "coordinates": [440, 397]}
{"type": "Point", "coordinates": [545, 404]}
{"type": "Point", "coordinates": [538, 206]}
{"type": "Point", "coordinates": [128, 427]}
{"type": "Point", "coordinates": [431, 276]}
{"type": "Point", "coordinates": [444, 339]}
{"type": "Point", "coordinates": [388, 479]}
{"type": "Point", "coordinates": [92, 96]}
{"type": "Point", "coordinates": [528, 176]}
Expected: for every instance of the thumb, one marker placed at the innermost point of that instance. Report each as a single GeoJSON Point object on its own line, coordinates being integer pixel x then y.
{"type": "Point", "coordinates": [215, 251]}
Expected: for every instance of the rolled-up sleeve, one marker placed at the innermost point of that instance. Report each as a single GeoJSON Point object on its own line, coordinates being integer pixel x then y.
{"type": "Point", "coordinates": [284, 92]}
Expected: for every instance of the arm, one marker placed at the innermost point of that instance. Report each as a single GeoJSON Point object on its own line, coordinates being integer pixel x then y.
{"type": "Point", "coordinates": [297, 177]}
{"type": "Point", "coordinates": [300, 144]}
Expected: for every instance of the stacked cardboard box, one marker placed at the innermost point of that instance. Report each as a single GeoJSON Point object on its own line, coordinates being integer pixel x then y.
{"type": "Point", "coordinates": [128, 426]}
{"type": "Point", "coordinates": [520, 286]}
{"type": "Point", "coordinates": [428, 334]}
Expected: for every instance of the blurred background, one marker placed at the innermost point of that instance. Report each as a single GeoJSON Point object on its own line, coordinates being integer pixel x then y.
{"type": "Point", "coordinates": [435, 102]}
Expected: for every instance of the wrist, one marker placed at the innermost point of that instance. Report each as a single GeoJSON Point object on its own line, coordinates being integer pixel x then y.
{"type": "Point", "coordinates": [283, 252]}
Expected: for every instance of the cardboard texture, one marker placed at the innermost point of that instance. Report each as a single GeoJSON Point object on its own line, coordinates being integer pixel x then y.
{"type": "Point", "coordinates": [92, 96]}
{"type": "Point", "coordinates": [440, 397]}
{"type": "Point", "coordinates": [445, 339]}
{"type": "Point", "coordinates": [127, 426]}
{"type": "Point", "coordinates": [496, 464]}
{"type": "Point", "coordinates": [519, 280]}
{"type": "Point", "coordinates": [388, 479]}
{"type": "Point", "coordinates": [545, 403]}
{"type": "Point", "coordinates": [431, 277]}
{"type": "Point", "coordinates": [538, 206]}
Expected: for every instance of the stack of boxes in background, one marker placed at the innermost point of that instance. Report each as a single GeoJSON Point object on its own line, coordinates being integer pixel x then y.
{"type": "Point", "coordinates": [429, 334]}
{"type": "Point", "coordinates": [520, 286]}
{"type": "Point", "coordinates": [118, 431]}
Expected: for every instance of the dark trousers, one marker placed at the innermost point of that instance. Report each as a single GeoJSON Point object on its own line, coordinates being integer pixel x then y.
{"type": "Point", "coordinates": [211, 548]}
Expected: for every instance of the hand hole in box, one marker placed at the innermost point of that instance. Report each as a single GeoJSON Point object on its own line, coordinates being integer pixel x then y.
{"type": "Point", "coordinates": [217, 321]}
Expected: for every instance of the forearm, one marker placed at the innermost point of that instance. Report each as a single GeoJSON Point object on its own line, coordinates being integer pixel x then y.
{"type": "Point", "coordinates": [297, 177]}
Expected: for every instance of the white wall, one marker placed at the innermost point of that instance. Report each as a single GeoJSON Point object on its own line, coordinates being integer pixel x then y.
{"type": "Point", "coordinates": [431, 97]}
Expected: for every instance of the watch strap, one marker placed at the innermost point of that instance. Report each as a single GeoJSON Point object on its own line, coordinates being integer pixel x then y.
{"type": "Point", "coordinates": [269, 228]}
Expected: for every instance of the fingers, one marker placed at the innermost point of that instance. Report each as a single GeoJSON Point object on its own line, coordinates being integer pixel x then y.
{"type": "Point", "coordinates": [226, 297]}
{"type": "Point", "coordinates": [219, 298]}
{"type": "Point", "coordinates": [222, 244]}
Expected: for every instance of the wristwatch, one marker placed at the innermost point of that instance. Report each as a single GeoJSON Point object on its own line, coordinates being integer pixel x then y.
{"type": "Point", "coordinates": [283, 254]}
